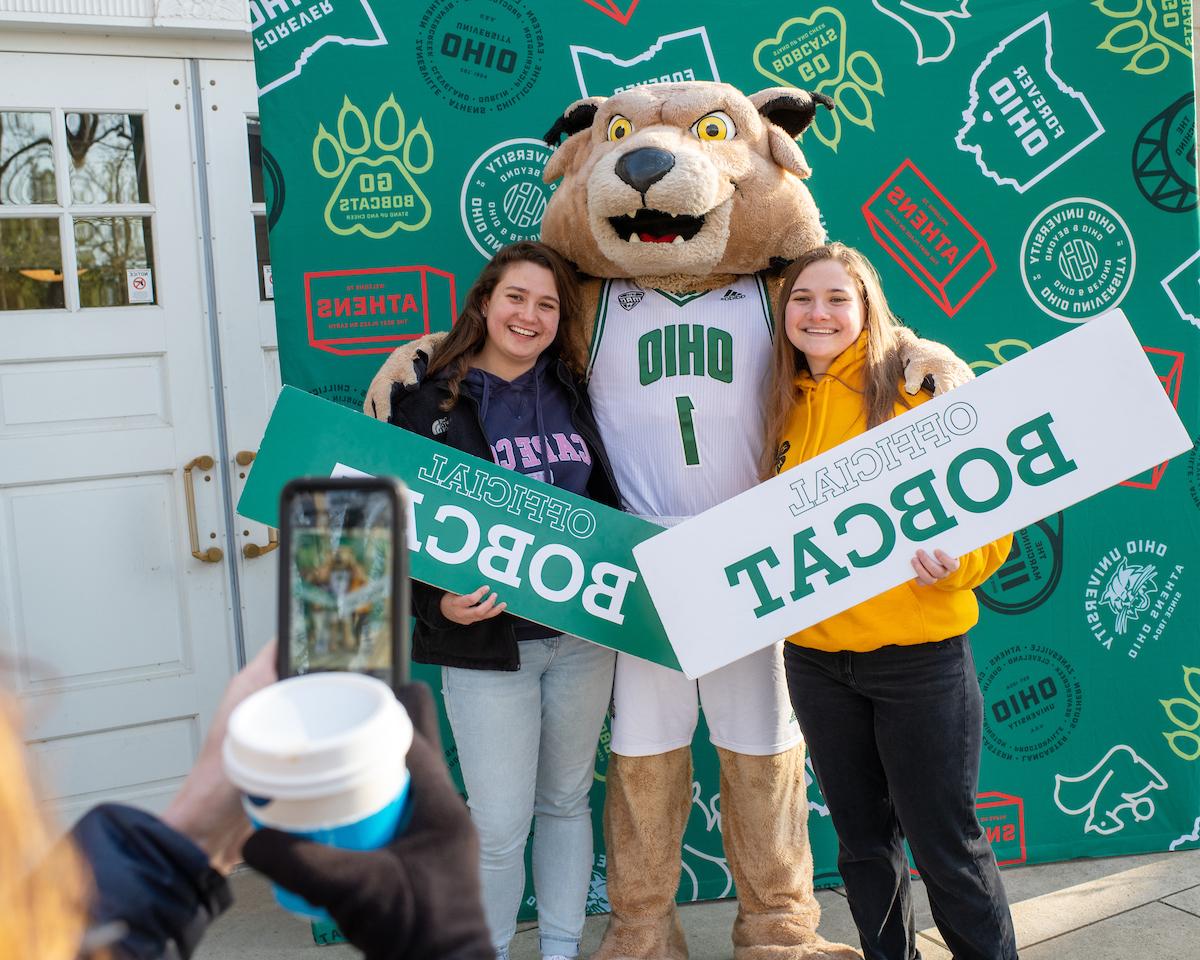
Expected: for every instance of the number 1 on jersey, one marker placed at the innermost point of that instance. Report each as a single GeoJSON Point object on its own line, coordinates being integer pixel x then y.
{"type": "Point", "coordinates": [687, 430]}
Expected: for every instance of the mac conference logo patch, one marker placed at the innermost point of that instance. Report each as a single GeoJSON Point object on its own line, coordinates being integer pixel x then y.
{"type": "Point", "coordinates": [630, 299]}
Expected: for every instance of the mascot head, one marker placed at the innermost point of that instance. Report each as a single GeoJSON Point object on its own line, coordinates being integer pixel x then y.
{"type": "Point", "coordinates": [682, 178]}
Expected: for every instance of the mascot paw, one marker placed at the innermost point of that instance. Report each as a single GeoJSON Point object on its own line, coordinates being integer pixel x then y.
{"type": "Point", "coordinates": [660, 938]}
{"type": "Point", "coordinates": [399, 367]}
{"type": "Point", "coordinates": [822, 949]}
{"type": "Point", "coordinates": [925, 360]}
{"type": "Point", "coordinates": [814, 947]}
{"type": "Point", "coordinates": [785, 936]}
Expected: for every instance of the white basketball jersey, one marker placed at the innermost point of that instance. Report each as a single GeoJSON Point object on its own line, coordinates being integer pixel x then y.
{"type": "Point", "coordinates": [677, 383]}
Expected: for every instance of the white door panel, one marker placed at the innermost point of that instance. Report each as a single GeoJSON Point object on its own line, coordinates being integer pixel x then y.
{"type": "Point", "coordinates": [246, 316]}
{"type": "Point", "coordinates": [121, 638]}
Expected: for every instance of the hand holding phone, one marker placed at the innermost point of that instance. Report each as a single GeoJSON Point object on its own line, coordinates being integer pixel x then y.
{"type": "Point", "coordinates": [343, 578]}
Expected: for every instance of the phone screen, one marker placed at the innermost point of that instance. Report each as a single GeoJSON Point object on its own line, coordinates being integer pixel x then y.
{"type": "Point", "coordinates": [339, 561]}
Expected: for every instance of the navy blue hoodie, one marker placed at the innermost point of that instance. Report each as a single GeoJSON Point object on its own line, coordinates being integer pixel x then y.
{"type": "Point", "coordinates": [527, 423]}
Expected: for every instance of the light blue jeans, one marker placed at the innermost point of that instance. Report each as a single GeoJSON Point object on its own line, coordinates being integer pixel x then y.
{"type": "Point", "coordinates": [526, 745]}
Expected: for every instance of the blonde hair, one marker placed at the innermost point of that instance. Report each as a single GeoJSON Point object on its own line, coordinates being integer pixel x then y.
{"type": "Point", "coordinates": [43, 885]}
{"type": "Point", "coordinates": [884, 365]}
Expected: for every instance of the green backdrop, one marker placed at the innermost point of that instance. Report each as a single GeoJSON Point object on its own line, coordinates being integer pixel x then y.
{"type": "Point", "coordinates": [1010, 171]}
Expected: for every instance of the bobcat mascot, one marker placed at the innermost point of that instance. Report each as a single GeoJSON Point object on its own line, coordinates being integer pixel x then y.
{"type": "Point", "coordinates": [680, 203]}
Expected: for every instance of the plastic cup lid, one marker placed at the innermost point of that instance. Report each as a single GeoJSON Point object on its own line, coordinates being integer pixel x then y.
{"type": "Point", "coordinates": [315, 735]}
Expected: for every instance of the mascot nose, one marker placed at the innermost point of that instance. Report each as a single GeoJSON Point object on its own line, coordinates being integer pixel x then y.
{"type": "Point", "coordinates": [644, 167]}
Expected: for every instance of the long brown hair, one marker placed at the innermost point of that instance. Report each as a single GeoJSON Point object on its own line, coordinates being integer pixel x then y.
{"type": "Point", "coordinates": [884, 366]}
{"type": "Point", "coordinates": [469, 333]}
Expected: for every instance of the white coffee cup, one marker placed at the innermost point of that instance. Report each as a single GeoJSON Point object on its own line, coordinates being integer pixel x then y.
{"type": "Point", "coordinates": [322, 756]}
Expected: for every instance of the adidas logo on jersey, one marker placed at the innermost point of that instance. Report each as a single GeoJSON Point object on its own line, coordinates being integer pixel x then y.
{"type": "Point", "coordinates": [733, 295]}
{"type": "Point", "coordinates": [630, 299]}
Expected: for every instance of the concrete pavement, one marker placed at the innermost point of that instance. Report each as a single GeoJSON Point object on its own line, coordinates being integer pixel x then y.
{"type": "Point", "coordinates": [1121, 907]}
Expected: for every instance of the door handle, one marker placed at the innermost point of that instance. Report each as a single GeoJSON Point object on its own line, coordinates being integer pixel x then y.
{"type": "Point", "coordinates": [212, 554]}
{"type": "Point", "coordinates": [244, 458]}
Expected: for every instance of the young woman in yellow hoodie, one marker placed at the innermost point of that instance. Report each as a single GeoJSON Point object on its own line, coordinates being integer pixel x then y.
{"type": "Point", "coordinates": [886, 692]}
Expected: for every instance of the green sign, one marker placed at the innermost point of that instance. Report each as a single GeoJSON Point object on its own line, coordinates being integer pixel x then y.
{"type": "Point", "coordinates": [554, 557]}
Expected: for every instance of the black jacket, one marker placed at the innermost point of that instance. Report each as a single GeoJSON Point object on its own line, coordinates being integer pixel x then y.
{"type": "Point", "coordinates": [152, 881]}
{"type": "Point", "coordinates": [489, 644]}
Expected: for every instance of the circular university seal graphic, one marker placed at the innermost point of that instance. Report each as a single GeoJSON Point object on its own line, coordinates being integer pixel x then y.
{"type": "Point", "coordinates": [1077, 259]}
{"type": "Point", "coordinates": [1032, 701]}
{"type": "Point", "coordinates": [1164, 157]}
{"type": "Point", "coordinates": [1032, 570]}
{"type": "Point", "coordinates": [1132, 595]}
{"type": "Point", "coordinates": [503, 196]}
{"type": "Point", "coordinates": [480, 56]}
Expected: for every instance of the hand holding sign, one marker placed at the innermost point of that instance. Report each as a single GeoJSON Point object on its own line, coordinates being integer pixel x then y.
{"type": "Point", "coordinates": [471, 607]}
{"type": "Point", "coordinates": [932, 569]}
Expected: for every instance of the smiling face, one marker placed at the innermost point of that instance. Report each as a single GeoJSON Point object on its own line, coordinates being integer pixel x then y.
{"type": "Point", "coordinates": [522, 320]}
{"type": "Point", "coordinates": [824, 313]}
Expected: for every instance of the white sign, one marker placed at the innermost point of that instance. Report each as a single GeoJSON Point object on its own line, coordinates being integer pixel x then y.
{"type": "Point", "coordinates": [268, 282]}
{"type": "Point", "coordinates": [140, 285]}
{"type": "Point", "coordinates": [1035, 435]}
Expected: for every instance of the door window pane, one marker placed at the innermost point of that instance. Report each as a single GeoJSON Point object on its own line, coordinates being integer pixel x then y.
{"type": "Point", "coordinates": [116, 260]}
{"type": "Point", "coordinates": [107, 158]}
{"type": "Point", "coordinates": [254, 141]}
{"type": "Point", "coordinates": [31, 275]}
{"type": "Point", "coordinates": [266, 288]}
{"type": "Point", "coordinates": [26, 159]}
{"type": "Point", "coordinates": [266, 177]}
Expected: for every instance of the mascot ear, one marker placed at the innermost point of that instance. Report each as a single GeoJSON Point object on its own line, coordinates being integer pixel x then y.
{"type": "Point", "coordinates": [789, 107]}
{"type": "Point", "coordinates": [576, 118]}
{"type": "Point", "coordinates": [788, 112]}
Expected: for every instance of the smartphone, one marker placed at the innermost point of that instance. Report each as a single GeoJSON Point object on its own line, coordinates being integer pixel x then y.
{"type": "Point", "coordinates": [343, 578]}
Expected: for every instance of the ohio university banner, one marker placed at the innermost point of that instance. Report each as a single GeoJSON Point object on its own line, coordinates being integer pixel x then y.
{"type": "Point", "coordinates": [1012, 168]}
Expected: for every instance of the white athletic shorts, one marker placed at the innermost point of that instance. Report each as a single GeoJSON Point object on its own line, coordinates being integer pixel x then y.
{"type": "Point", "coordinates": [746, 705]}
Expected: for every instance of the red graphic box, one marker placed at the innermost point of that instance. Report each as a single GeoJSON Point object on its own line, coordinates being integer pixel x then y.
{"type": "Point", "coordinates": [929, 238]}
{"type": "Point", "coordinates": [375, 310]}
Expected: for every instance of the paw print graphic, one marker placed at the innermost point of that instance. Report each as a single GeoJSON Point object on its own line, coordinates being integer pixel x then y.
{"type": "Point", "coordinates": [863, 76]}
{"type": "Point", "coordinates": [1147, 30]}
{"type": "Point", "coordinates": [810, 53]}
{"type": "Point", "coordinates": [1184, 714]}
{"type": "Point", "coordinates": [374, 165]}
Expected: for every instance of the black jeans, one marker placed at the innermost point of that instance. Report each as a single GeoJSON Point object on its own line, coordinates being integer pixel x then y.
{"type": "Point", "coordinates": [894, 737]}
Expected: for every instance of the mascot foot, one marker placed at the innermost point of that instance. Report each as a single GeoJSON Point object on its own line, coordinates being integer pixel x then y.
{"type": "Point", "coordinates": [660, 938]}
{"type": "Point", "coordinates": [768, 937]}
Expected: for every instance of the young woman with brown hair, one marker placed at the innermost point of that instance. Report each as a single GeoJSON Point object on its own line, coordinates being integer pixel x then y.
{"type": "Point", "coordinates": [525, 703]}
{"type": "Point", "coordinates": [885, 692]}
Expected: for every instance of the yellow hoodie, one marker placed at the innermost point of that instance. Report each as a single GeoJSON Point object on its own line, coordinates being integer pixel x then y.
{"type": "Point", "coordinates": [829, 411]}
